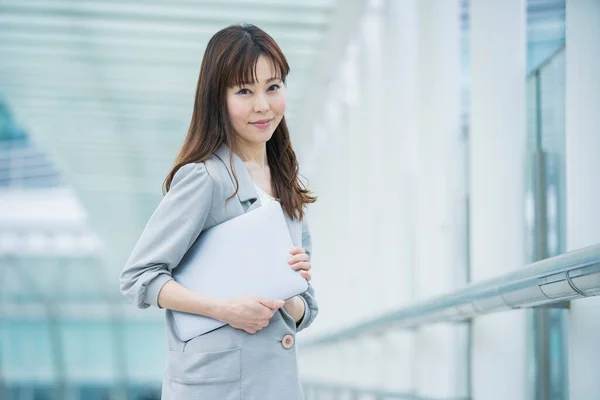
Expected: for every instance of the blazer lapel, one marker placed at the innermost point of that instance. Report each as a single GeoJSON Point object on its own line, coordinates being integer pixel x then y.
{"type": "Point", "coordinates": [247, 194]}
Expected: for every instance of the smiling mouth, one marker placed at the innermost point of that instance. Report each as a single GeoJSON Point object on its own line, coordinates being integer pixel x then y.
{"type": "Point", "coordinates": [262, 122]}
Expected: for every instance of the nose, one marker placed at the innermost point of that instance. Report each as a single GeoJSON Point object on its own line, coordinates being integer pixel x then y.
{"type": "Point", "coordinates": [261, 104]}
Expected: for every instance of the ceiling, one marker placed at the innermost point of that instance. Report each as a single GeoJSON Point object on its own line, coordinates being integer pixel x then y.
{"type": "Point", "coordinates": [107, 86]}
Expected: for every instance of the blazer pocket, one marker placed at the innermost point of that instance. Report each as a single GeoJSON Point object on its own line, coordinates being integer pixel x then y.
{"type": "Point", "coordinates": [205, 375]}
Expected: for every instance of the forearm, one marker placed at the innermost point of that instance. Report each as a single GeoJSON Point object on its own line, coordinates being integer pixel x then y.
{"type": "Point", "coordinates": [295, 307]}
{"type": "Point", "coordinates": [178, 298]}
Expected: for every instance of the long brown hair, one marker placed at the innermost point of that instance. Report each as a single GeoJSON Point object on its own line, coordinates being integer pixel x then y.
{"type": "Point", "coordinates": [229, 60]}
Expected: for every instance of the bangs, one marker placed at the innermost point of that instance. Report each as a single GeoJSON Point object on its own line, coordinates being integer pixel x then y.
{"type": "Point", "coordinates": [242, 68]}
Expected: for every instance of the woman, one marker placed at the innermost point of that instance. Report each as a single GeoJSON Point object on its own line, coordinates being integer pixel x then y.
{"type": "Point", "coordinates": [237, 155]}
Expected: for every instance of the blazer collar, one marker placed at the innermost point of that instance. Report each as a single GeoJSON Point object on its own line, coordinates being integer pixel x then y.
{"type": "Point", "coordinates": [246, 190]}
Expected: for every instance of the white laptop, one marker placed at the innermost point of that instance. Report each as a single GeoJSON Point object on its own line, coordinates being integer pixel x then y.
{"type": "Point", "coordinates": [245, 256]}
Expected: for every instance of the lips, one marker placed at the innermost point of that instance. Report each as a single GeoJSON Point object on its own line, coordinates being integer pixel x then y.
{"type": "Point", "coordinates": [262, 121]}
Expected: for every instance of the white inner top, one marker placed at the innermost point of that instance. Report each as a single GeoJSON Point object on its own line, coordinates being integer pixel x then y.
{"type": "Point", "coordinates": [265, 198]}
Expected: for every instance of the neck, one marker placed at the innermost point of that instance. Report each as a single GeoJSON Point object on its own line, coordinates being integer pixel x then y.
{"type": "Point", "coordinates": [254, 154]}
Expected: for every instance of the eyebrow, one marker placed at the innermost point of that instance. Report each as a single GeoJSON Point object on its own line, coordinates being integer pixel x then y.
{"type": "Point", "coordinates": [275, 78]}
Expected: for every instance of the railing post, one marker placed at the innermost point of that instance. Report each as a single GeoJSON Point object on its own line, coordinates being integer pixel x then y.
{"type": "Point", "coordinates": [541, 326]}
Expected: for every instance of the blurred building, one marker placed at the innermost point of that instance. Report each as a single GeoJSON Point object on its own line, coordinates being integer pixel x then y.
{"type": "Point", "coordinates": [452, 143]}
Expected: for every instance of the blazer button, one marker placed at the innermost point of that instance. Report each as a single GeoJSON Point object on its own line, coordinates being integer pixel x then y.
{"type": "Point", "coordinates": [287, 341]}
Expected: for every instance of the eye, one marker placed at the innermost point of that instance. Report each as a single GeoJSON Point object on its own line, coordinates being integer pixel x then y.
{"type": "Point", "coordinates": [243, 91]}
{"type": "Point", "coordinates": [275, 87]}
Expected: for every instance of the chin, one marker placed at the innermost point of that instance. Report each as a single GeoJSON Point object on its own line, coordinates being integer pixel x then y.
{"type": "Point", "coordinates": [259, 139]}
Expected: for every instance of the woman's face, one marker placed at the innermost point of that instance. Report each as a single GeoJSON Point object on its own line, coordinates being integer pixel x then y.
{"type": "Point", "coordinates": [256, 109]}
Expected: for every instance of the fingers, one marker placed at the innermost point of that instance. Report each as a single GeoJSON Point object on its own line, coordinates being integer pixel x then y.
{"type": "Point", "coordinates": [306, 275]}
{"type": "Point", "coordinates": [256, 313]}
{"type": "Point", "coordinates": [302, 266]}
{"type": "Point", "coordinates": [298, 258]}
{"type": "Point", "coordinates": [272, 304]}
{"type": "Point", "coordinates": [299, 262]}
{"type": "Point", "coordinates": [257, 327]}
{"type": "Point", "coordinates": [297, 250]}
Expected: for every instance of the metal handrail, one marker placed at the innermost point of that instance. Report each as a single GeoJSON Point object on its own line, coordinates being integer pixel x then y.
{"type": "Point", "coordinates": [554, 280]}
{"type": "Point", "coordinates": [354, 392]}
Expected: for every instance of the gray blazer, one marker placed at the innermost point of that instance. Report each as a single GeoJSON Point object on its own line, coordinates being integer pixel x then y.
{"type": "Point", "coordinates": [228, 363]}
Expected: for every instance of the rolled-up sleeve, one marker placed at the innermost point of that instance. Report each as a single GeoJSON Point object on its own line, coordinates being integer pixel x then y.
{"type": "Point", "coordinates": [311, 308]}
{"type": "Point", "coordinates": [169, 233]}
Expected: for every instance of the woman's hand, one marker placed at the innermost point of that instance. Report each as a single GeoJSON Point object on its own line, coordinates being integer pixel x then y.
{"type": "Point", "coordinates": [250, 314]}
{"type": "Point", "coordinates": [299, 262]}
{"type": "Point", "coordinates": [254, 313]}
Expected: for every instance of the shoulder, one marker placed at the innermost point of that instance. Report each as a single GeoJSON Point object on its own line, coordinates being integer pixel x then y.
{"type": "Point", "coordinates": [210, 172]}
{"type": "Point", "coordinates": [212, 168]}
{"type": "Point", "coordinates": [190, 173]}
